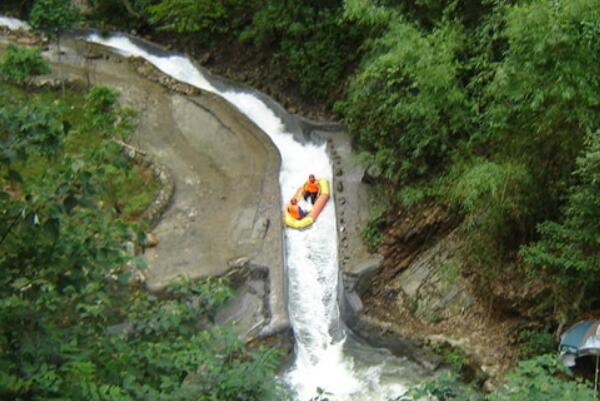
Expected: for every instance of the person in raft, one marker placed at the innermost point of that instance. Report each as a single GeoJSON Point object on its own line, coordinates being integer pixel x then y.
{"type": "Point", "coordinates": [295, 210]}
{"type": "Point", "coordinates": [311, 189]}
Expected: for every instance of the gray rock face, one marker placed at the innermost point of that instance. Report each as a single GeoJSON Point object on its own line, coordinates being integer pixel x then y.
{"type": "Point", "coordinates": [371, 174]}
{"type": "Point", "coordinates": [430, 287]}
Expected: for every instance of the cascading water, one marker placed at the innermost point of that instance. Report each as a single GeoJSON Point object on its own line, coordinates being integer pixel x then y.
{"type": "Point", "coordinates": [325, 358]}
{"type": "Point", "coordinates": [13, 23]}
{"type": "Point", "coordinates": [311, 255]}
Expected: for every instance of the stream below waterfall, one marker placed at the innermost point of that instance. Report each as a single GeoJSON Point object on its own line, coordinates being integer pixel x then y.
{"type": "Point", "coordinates": [327, 355]}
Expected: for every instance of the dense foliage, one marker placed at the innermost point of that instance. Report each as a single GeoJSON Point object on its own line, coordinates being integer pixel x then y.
{"type": "Point", "coordinates": [73, 323]}
{"type": "Point", "coordinates": [309, 38]}
{"type": "Point", "coordinates": [202, 17]}
{"type": "Point", "coordinates": [538, 379]}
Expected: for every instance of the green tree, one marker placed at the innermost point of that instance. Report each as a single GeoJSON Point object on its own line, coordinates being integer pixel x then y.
{"type": "Point", "coordinates": [311, 42]}
{"type": "Point", "coordinates": [405, 107]}
{"type": "Point", "coordinates": [19, 64]}
{"type": "Point", "coordinates": [568, 252]}
{"type": "Point", "coordinates": [54, 17]}
{"type": "Point", "coordinates": [204, 18]}
{"type": "Point", "coordinates": [73, 325]}
{"type": "Point", "coordinates": [544, 95]}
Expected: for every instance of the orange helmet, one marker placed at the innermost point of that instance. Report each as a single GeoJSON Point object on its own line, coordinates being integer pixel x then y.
{"type": "Point", "coordinates": [294, 201]}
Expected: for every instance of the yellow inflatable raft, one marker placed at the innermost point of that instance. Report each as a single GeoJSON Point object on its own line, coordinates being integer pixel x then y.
{"type": "Point", "coordinates": [310, 218]}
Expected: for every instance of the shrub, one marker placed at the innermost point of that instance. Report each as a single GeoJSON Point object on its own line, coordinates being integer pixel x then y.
{"type": "Point", "coordinates": [535, 343]}
{"type": "Point", "coordinates": [20, 64]}
{"type": "Point", "coordinates": [372, 233]}
{"type": "Point", "coordinates": [310, 41]}
{"type": "Point", "coordinates": [405, 105]}
{"type": "Point", "coordinates": [540, 379]}
{"type": "Point", "coordinates": [496, 201]}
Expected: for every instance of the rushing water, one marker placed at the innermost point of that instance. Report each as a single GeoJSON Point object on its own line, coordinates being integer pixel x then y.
{"type": "Point", "coordinates": [325, 356]}
{"type": "Point", "coordinates": [13, 23]}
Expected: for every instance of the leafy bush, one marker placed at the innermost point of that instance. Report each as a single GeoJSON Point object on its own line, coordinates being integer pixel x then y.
{"type": "Point", "coordinates": [405, 105]}
{"type": "Point", "coordinates": [19, 64]}
{"type": "Point", "coordinates": [496, 202]}
{"type": "Point", "coordinates": [539, 379]}
{"type": "Point", "coordinates": [104, 116]}
{"type": "Point", "coordinates": [310, 39]}
{"type": "Point", "coordinates": [445, 387]}
{"type": "Point", "coordinates": [535, 343]}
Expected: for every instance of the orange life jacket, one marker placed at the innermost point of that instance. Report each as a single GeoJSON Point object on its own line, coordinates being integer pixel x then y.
{"type": "Point", "coordinates": [294, 211]}
{"type": "Point", "coordinates": [312, 187]}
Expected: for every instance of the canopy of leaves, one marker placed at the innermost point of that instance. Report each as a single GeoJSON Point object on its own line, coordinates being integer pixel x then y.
{"type": "Point", "coordinates": [53, 16]}
{"type": "Point", "coordinates": [310, 39]}
{"type": "Point", "coordinates": [405, 105]}
{"type": "Point", "coordinates": [205, 18]}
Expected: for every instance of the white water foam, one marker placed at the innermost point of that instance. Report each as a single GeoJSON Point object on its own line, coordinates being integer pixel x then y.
{"type": "Point", "coordinates": [311, 255]}
{"type": "Point", "coordinates": [13, 23]}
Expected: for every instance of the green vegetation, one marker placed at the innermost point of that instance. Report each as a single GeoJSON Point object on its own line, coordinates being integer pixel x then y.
{"type": "Point", "coordinates": [202, 17]}
{"type": "Point", "coordinates": [541, 378]}
{"type": "Point", "coordinates": [74, 324]}
{"type": "Point", "coordinates": [485, 108]}
{"type": "Point", "coordinates": [372, 233]}
{"type": "Point", "coordinates": [535, 343]}
{"type": "Point", "coordinates": [53, 17]}
{"type": "Point", "coordinates": [22, 63]}
{"type": "Point", "coordinates": [311, 42]}
{"type": "Point", "coordinates": [486, 114]}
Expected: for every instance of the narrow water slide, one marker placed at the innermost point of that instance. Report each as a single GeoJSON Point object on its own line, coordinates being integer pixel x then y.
{"type": "Point", "coordinates": [327, 355]}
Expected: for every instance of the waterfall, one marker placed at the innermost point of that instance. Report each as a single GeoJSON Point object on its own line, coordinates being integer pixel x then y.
{"type": "Point", "coordinates": [311, 255]}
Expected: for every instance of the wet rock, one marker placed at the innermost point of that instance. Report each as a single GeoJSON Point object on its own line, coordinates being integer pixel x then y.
{"type": "Point", "coordinates": [363, 272]}
{"type": "Point", "coordinates": [372, 174]}
{"type": "Point", "coordinates": [239, 262]}
{"type": "Point", "coordinates": [92, 55]}
{"type": "Point", "coordinates": [260, 228]}
{"type": "Point", "coordinates": [26, 41]}
{"type": "Point", "coordinates": [151, 240]}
